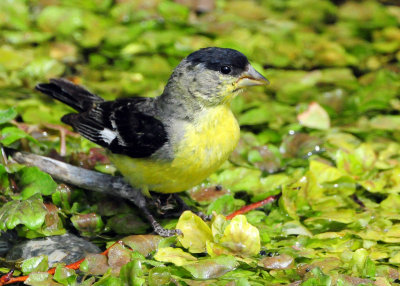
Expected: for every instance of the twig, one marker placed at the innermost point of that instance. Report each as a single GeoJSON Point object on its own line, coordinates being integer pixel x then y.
{"type": "Point", "coordinates": [253, 206]}
{"type": "Point", "coordinates": [91, 180]}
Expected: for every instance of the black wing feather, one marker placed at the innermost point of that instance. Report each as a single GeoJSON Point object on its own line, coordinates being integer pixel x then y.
{"type": "Point", "coordinates": [137, 134]}
{"type": "Point", "coordinates": [149, 133]}
{"type": "Point", "coordinates": [120, 126]}
{"type": "Point", "coordinates": [69, 93]}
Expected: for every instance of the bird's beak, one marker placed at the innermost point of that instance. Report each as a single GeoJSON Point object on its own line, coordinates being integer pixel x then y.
{"type": "Point", "coordinates": [251, 77]}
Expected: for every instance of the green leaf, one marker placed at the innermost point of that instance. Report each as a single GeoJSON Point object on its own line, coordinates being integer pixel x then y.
{"type": "Point", "coordinates": [34, 181]}
{"type": "Point", "coordinates": [385, 122]}
{"type": "Point", "coordinates": [35, 264]}
{"type": "Point", "coordinates": [4, 182]}
{"type": "Point", "coordinates": [88, 224]}
{"type": "Point", "coordinates": [195, 232]}
{"type": "Point", "coordinates": [239, 179]}
{"type": "Point", "coordinates": [224, 205]}
{"type": "Point", "coordinates": [109, 280]}
{"type": "Point", "coordinates": [43, 67]}
{"type": "Point", "coordinates": [324, 172]}
{"type": "Point", "coordinates": [212, 267]}
{"type": "Point", "coordinates": [315, 117]}
{"type": "Point", "coordinates": [41, 279]}
{"type": "Point", "coordinates": [58, 19]}
{"type": "Point", "coordinates": [7, 115]}
{"type": "Point", "coordinates": [241, 237]}
{"type": "Point", "coordinates": [14, 14]}
{"type": "Point", "coordinates": [174, 255]}
{"type": "Point", "coordinates": [65, 276]}
{"type": "Point", "coordinates": [362, 264]}
{"type": "Point", "coordinates": [30, 212]}
{"type": "Point", "coordinates": [295, 227]}
{"type": "Point", "coordinates": [95, 264]}
{"type": "Point", "coordinates": [159, 276]}
{"type": "Point", "coordinates": [132, 273]}
{"type": "Point", "coordinates": [318, 279]}
{"type": "Point", "coordinates": [218, 227]}
{"type": "Point", "coordinates": [357, 163]}
{"type": "Point", "coordinates": [173, 12]}
{"type": "Point", "coordinates": [144, 244]}
{"type": "Point", "coordinates": [254, 116]}
{"type": "Point", "coordinates": [11, 134]}
{"type": "Point", "coordinates": [283, 261]}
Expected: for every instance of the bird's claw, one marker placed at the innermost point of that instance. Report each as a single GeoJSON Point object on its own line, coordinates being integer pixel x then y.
{"type": "Point", "coordinates": [167, 232]}
{"type": "Point", "coordinates": [162, 231]}
{"type": "Point", "coordinates": [204, 216]}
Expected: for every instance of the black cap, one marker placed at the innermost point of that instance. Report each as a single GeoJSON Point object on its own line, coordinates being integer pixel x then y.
{"type": "Point", "coordinates": [214, 58]}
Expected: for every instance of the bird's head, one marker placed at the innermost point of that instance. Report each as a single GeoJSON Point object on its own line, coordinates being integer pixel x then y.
{"type": "Point", "coordinates": [213, 76]}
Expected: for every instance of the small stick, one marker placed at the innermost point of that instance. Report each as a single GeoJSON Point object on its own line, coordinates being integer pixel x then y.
{"type": "Point", "coordinates": [92, 181]}
{"type": "Point", "coordinates": [253, 206]}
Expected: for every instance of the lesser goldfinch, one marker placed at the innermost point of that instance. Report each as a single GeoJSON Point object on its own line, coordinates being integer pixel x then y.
{"type": "Point", "coordinates": [172, 142]}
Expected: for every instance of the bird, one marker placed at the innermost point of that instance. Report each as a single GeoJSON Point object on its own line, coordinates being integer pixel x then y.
{"type": "Point", "coordinates": [169, 143]}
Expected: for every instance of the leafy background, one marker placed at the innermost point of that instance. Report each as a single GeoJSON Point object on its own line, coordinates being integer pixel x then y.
{"type": "Point", "coordinates": [325, 134]}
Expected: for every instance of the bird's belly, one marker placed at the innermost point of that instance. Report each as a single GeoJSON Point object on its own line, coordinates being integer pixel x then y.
{"type": "Point", "coordinates": [203, 148]}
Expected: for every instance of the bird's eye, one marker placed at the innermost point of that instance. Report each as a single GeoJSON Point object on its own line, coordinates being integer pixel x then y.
{"type": "Point", "coordinates": [225, 69]}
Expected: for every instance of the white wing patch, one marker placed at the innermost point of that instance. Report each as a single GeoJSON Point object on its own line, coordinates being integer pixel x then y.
{"type": "Point", "coordinates": [108, 135]}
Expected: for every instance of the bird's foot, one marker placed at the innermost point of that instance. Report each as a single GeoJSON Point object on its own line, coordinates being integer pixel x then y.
{"type": "Point", "coordinates": [166, 232]}
{"type": "Point", "coordinates": [185, 207]}
{"type": "Point", "coordinates": [157, 227]}
{"type": "Point", "coordinates": [204, 216]}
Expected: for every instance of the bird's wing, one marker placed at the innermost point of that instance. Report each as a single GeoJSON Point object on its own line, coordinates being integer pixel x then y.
{"type": "Point", "coordinates": [69, 93]}
{"type": "Point", "coordinates": [121, 126]}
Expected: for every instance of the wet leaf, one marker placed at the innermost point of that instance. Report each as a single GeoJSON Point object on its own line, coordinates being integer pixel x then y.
{"type": "Point", "coordinates": [174, 255]}
{"type": "Point", "coordinates": [385, 122]}
{"type": "Point", "coordinates": [132, 273]}
{"type": "Point", "coordinates": [65, 276]}
{"type": "Point", "coordinates": [41, 279]}
{"type": "Point", "coordinates": [60, 19]}
{"type": "Point", "coordinates": [283, 261]}
{"type": "Point", "coordinates": [239, 178]}
{"type": "Point", "coordinates": [35, 264]}
{"type": "Point", "coordinates": [32, 216]}
{"type": "Point", "coordinates": [174, 12]}
{"type": "Point", "coordinates": [33, 181]}
{"type": "Point", "coordinates": [14, 14]}
{"type": "Point", "coordinates": [207, 194]}
{"type": "Point", "coordinates": [11, 134]}
{"type": "Point", "coordinates": [87, 224]}
{"type": "Point", "coordinates": [300, 145]}
{"type": "Point", "coordinates": [241, 237]}
{"type": "Point", "coordinates": [7, 115]}
{"type": "Point", "coordinates": [144, 244]}
{"type": "Point", "coordinates": [211, 267]}
{"type": "Point", "coordinates": [314, 117]}
{"type": "Point", "coordinates": [95, 264]}
{"type": "Point", "coordinates": [159, 276]}
{"type": "Point", "coordinates": [118, 256]}
{"type": "Point", "coordinates": [127, 224]}
{"type": "Point", "coordinates": [224, 205]}
{"type": "Point", "coordinates": [195, 232]}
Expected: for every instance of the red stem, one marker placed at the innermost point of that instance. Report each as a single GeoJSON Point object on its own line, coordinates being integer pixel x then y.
{"type": "Point", "coordinates": [251, 207]}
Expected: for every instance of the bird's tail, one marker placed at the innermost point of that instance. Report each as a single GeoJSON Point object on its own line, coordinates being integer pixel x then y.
{"type": "Point", "coordinates": [69, 93]}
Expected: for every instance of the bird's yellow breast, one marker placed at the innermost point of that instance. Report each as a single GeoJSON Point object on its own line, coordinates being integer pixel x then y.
{"type": "Point", "coordinates": [206, 143]}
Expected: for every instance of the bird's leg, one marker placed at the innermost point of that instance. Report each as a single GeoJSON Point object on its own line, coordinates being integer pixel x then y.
{"type": "Point", "coordinates": [157, 227]}
{"type": "Point", "coordinates": [92, 181]}
{"type": "Point", "coordinates": [185, 207]}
